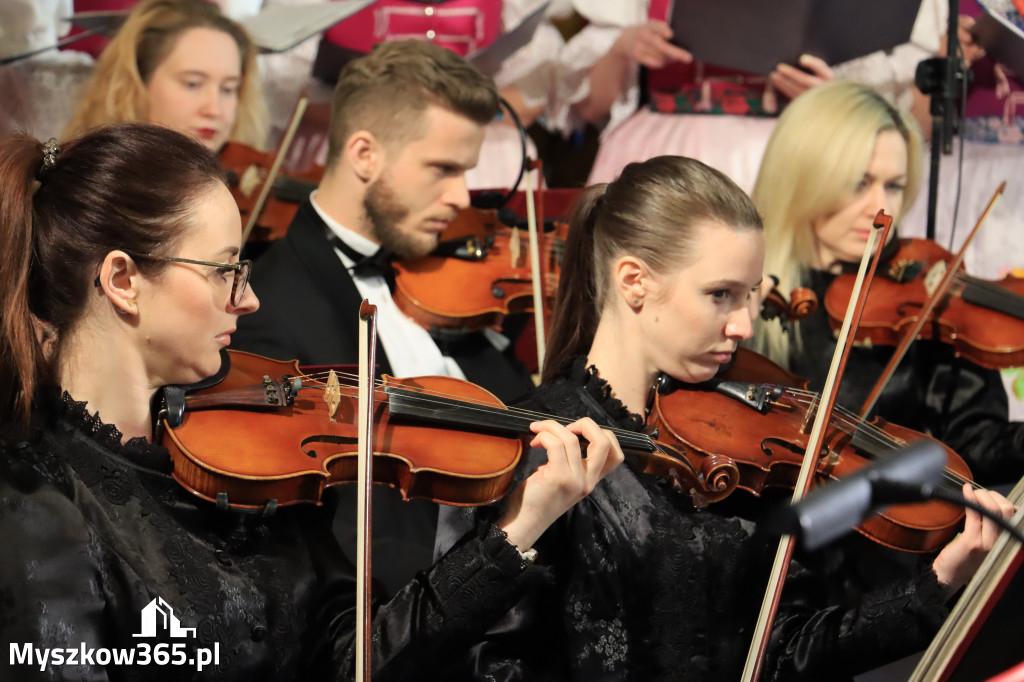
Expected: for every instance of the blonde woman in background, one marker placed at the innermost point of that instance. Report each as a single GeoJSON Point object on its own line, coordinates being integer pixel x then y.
{"type": "Point", "coordinates": [181, 64]}
{"type": "Point", "coordinates": [839, 153]}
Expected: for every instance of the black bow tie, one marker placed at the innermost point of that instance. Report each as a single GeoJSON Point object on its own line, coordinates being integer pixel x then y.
{"type": "Point", "coordinates": [379, 264]}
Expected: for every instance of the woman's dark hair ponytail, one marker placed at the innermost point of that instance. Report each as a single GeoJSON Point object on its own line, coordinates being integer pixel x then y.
{"type": "Point", "coordinates": [129, 187]}
{"type": "Point", "coordinates": [21, 359]}
{"type": "Point", "coordinates": [650, 212]}
{"type": "Point", "coordinates": [575, 314]}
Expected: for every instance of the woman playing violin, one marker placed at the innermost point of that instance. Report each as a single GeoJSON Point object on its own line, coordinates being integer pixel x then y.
{"type": "Point", "coordinates": [662, 272]}
{"type": "Point", "coordinates": [838, 155]}
{"type": "Point", "coordinates": [119, 255]}
{"type": "Point", "coordinates": [180, 64]}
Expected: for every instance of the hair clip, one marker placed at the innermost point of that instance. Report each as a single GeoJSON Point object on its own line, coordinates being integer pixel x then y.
{"type": "Point", "coordinates": [50, 151]}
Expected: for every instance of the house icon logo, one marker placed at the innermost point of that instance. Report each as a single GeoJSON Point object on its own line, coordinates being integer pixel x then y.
{"type": "Point", "coordinates": [159, 613]}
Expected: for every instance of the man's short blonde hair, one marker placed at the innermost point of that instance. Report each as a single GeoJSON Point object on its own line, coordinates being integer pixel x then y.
{"type": "Point", "coordinates": [387, 91]}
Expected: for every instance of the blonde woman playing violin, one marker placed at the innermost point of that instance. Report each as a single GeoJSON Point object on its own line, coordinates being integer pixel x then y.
{"type": "Point", "coordinates": [839, 154]}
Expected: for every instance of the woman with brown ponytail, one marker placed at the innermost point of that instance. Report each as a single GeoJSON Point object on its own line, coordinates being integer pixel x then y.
{"type": "Point", "coordinates": [661, 274]}
{"type": "Point", "coordinates": [119, 274]}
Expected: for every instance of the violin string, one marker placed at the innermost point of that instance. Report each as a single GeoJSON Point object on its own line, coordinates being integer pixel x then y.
{"type": "Point", "coordinates": [484, 408]}
{"type": "Point", "coordinates": [462, 400]}
{"type": "Point", "coordinates": [992, 289]}
{"type": "Point", "coordinates": [850, 423]}
{"type": "Point", "coordinates": [880, 437]}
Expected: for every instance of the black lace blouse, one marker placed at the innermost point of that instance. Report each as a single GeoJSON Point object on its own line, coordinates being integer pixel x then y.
{"type": "Point", "coordinates": [93, 531]}
{"type": "Point", "coordinates": [640, 589]}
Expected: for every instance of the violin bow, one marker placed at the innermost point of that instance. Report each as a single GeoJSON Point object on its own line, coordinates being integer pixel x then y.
{"type": "Point", "coordinates": [364, 515]}
{"type": "Point", "coordinates": [63, 42]}
{"type": "Point", "coordinates": [963, 625]}
{"type": "Point", "coordinates": [537, 275]}
{"type": "Point", "coordinates": [773, 593]}
{"type": "Point", "coordinates": [926, 310]}
{"type": "Point", "coordinates": [275, 167]}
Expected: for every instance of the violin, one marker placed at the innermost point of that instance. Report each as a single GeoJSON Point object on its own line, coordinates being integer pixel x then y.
{"type": "Point", "coordinates": [261, 434]}
{"type": "Point", "coordinates": [247, 170]}
{"type": "Point", "coordinates": [757, 415]}
{"type": "Point", "coordinates": [982, 319]}
{"type": "Point", "coordinates": [479, 273]}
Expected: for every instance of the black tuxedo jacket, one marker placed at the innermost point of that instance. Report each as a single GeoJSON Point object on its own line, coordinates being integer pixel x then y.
{"type": "Point", "coordinates": [308, 311]}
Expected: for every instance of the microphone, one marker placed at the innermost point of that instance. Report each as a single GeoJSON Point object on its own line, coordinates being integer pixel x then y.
{"type": "Point", "coordinates": [910, 474]}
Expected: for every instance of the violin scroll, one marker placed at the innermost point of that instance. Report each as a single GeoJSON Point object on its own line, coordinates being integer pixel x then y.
{"type": "Point", "coordinates": [801, 304]}
{"type": "Point", "coordinates": [754, 416]}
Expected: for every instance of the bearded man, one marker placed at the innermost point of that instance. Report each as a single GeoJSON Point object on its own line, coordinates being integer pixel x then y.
{"type": "Point", "coordinates": [407, 122]}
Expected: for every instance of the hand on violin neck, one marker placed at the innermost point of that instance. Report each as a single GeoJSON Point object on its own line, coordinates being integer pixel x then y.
{"type": "Point", "coordinates": [958, 561]}
{"type": "Point", "coordinates": [565, 479]}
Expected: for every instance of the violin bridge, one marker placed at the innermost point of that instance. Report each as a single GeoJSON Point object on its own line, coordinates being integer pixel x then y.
{"type": "Point", "coordinates": [934, 277]}
{"type": "Point", "coordinates": [514, 247]}
{"type": "Point", "coordinates": [809, 416]}
{"type": "Point", "coordinates": [250, 181]}
{"type": "Point", "coordinates": [831, 458]}
{"type": "Point", "coordinates": [332, 394]}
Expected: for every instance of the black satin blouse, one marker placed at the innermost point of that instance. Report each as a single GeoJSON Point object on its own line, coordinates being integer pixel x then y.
{"type": "Point", "coordinates": [93, 530]}
{"type": "Point", "coordinates": [640, 589]}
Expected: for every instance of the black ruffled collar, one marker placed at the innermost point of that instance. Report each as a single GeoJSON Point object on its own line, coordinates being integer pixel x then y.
{"type": "Point", "coordinates": [576, 370]}
{"type": "Point", "coordinates": [74, 415]}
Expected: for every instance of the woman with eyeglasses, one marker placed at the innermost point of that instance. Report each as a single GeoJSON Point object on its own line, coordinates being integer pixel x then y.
{"type": "Point", "coordinates": [119, 274]}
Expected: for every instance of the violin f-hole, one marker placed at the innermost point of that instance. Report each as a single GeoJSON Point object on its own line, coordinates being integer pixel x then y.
{"type": "Point", "coordinates": [324, 438]}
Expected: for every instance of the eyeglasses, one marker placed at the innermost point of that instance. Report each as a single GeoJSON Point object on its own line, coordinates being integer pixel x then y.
{"type": "Point", "coordinates": [241, 271]}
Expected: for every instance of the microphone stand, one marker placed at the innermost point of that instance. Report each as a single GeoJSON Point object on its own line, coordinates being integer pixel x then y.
{"type": "Point", "coordinates": [942, 78]}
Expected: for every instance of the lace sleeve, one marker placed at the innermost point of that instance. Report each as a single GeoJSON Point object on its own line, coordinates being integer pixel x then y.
{"type": "Point", "coordinates": [49, 559]}
{"type": "Point", "coordinates": [437, 616]}
{"type": "Point", "coordinates": [811, 643]}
